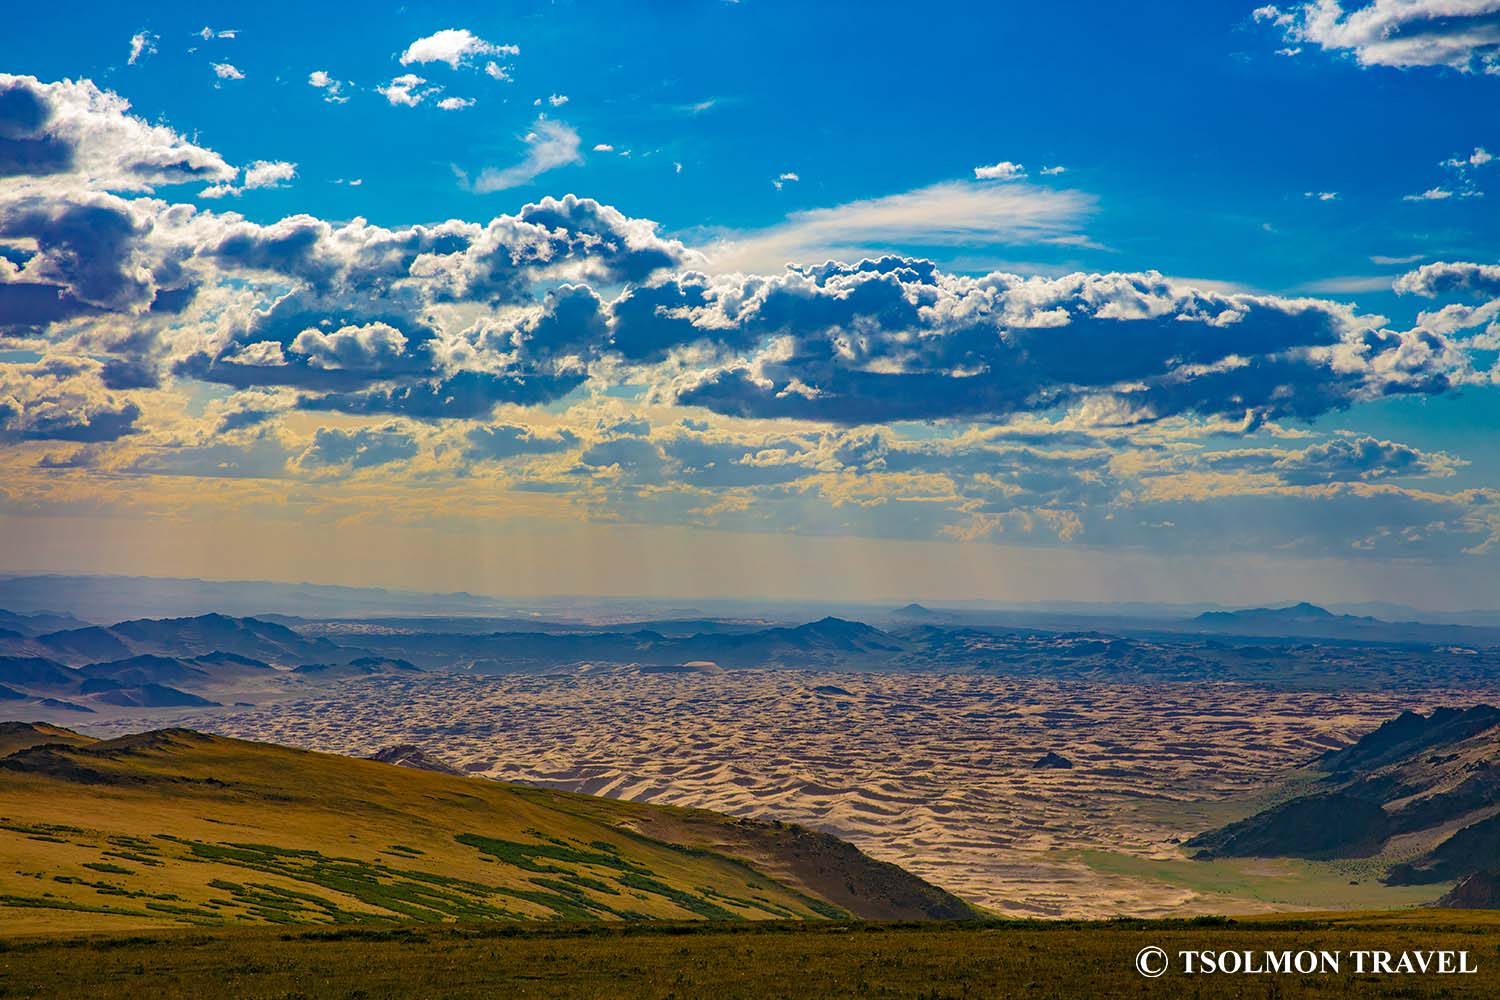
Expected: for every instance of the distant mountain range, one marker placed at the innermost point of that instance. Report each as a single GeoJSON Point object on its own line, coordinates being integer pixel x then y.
{"type": "Point", "coordinates": [827, 643]}
{"type": "Point", "coordinates": [1306, 620]}
{"type": "Point", "coordinates": [168, 663]}
{"type": "Point", "coordinates": [197, 636]}
{"type": "Point", "coordinates": [212, 658]}
{"type": "Point", "coordinates": [1301, 612]}
{"type": "Point", "coordinates": [39, 623]}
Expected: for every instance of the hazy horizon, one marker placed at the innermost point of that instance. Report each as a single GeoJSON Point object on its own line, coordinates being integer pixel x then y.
{"type": "Point", "coordinates": [481, 604]}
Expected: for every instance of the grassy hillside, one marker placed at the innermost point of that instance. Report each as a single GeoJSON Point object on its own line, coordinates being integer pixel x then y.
{"type": "Point", "coordinates": [176, 827]}
{"type": "Point", "coordinates": [1050, 961]}
{"type": "Point", "coordinates": [16, 736]}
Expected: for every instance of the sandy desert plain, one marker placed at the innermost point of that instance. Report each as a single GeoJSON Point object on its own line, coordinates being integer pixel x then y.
{"type": "Point", "coordinates": [935, 772]}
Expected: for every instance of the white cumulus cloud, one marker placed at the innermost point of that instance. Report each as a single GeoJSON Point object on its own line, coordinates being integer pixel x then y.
{"type": "Point", "coordinates": [332, 89]}
{"type": "Point", "coordinates": [269, 173]}
{"type": "Point", "coordinates": [407, 90]}
{"type": "Point", "coordinates": [454, 46]}
{"type": "Point", "coordinates": [1002, 171]}
{"type": "Point", "coordinates": [260, 174]}
{"type": "Point", "coordinates": [1460, 34]}
{"type": "Point", "coordinates": [1478, 158]}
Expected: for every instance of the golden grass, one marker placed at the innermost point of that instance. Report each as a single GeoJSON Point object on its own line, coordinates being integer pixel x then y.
{"type": "Point", "coordinates": [144, 843]}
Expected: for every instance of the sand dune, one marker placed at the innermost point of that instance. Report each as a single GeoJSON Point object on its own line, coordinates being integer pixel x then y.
{"type": "Point", "coordinates": [933, 772]}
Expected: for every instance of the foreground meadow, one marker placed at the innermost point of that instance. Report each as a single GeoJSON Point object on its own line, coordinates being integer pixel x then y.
{"type": "Point", "coordinates": [728, 962]}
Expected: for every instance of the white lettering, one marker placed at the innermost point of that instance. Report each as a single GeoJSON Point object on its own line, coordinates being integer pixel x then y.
{"type": "Point", "coordinates": [1307, 962]}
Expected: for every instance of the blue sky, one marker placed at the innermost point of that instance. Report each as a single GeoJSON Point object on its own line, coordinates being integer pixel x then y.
{"type": "Point", "coordinates": [1253, 385]}
{"type": "Point", "coordinates": [1183, 122]}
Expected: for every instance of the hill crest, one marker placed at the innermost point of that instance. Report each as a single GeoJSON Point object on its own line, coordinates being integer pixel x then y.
{"type": "Point", "coordinates": [186, 827]}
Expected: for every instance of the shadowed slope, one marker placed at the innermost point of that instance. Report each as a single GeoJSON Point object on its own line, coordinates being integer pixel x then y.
{"type": "Point", "coordinates": [1430, 785]}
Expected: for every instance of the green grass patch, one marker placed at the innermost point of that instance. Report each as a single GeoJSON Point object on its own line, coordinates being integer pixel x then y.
{"type": "Point", "coordinates": [1283, 882]}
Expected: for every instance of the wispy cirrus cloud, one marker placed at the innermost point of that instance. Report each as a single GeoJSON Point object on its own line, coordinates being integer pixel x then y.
{"type": "Point", "coordinates": [550, 144]}
{"type": "Point", "coordinates": [142, 44]}
{"type": "Point", "coordinates": [1349, 284]}
{"type": "Point", "coordinates": [1431, 194]}
{"type": "Point", "coordinates": [954, 213]}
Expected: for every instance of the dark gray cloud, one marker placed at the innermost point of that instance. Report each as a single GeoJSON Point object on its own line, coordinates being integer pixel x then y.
{"type": "Point", "coordinates": [28, 307]}
{"type": "Point", "coordinates": [62, 399]}
{"type": "Point", "coordinates": [616, 247]}
{"type": "Point", "coordinates": [1342, 459]}
{"type": "Point", "coordinates": [445, 320]}
{"type": "Point", "coordinates": [501, 441]}
{"type": "Point", "coordinates": [897, 340]}
{"type": "Point", "coordinates": [88, 248]}
{"type": "Point", "coordinates": [465, 395]}
{"type": "Point", "coordinates": [635, 457]}
{"type": "Point", "coordinates": [240, 419]}
{"type": "Point", "coordinates": [129, 373]}
{"type": "Point", "coordinates": [364, 448]}
{"type": "Point", "coordinates": [99, 424]}
{"type": "Point", "coordinates": [26, 146]}
{"type": "Point", "coordinates": [570, 325]}
{"type": "Point", "coordinates": [358, 280]}
{"type": "Point", "coordinates": [648, 322]}
{"type": "Point", "coordinates": [710, 464]}
{"type": "Point", "coordinates": [1364, 457]}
